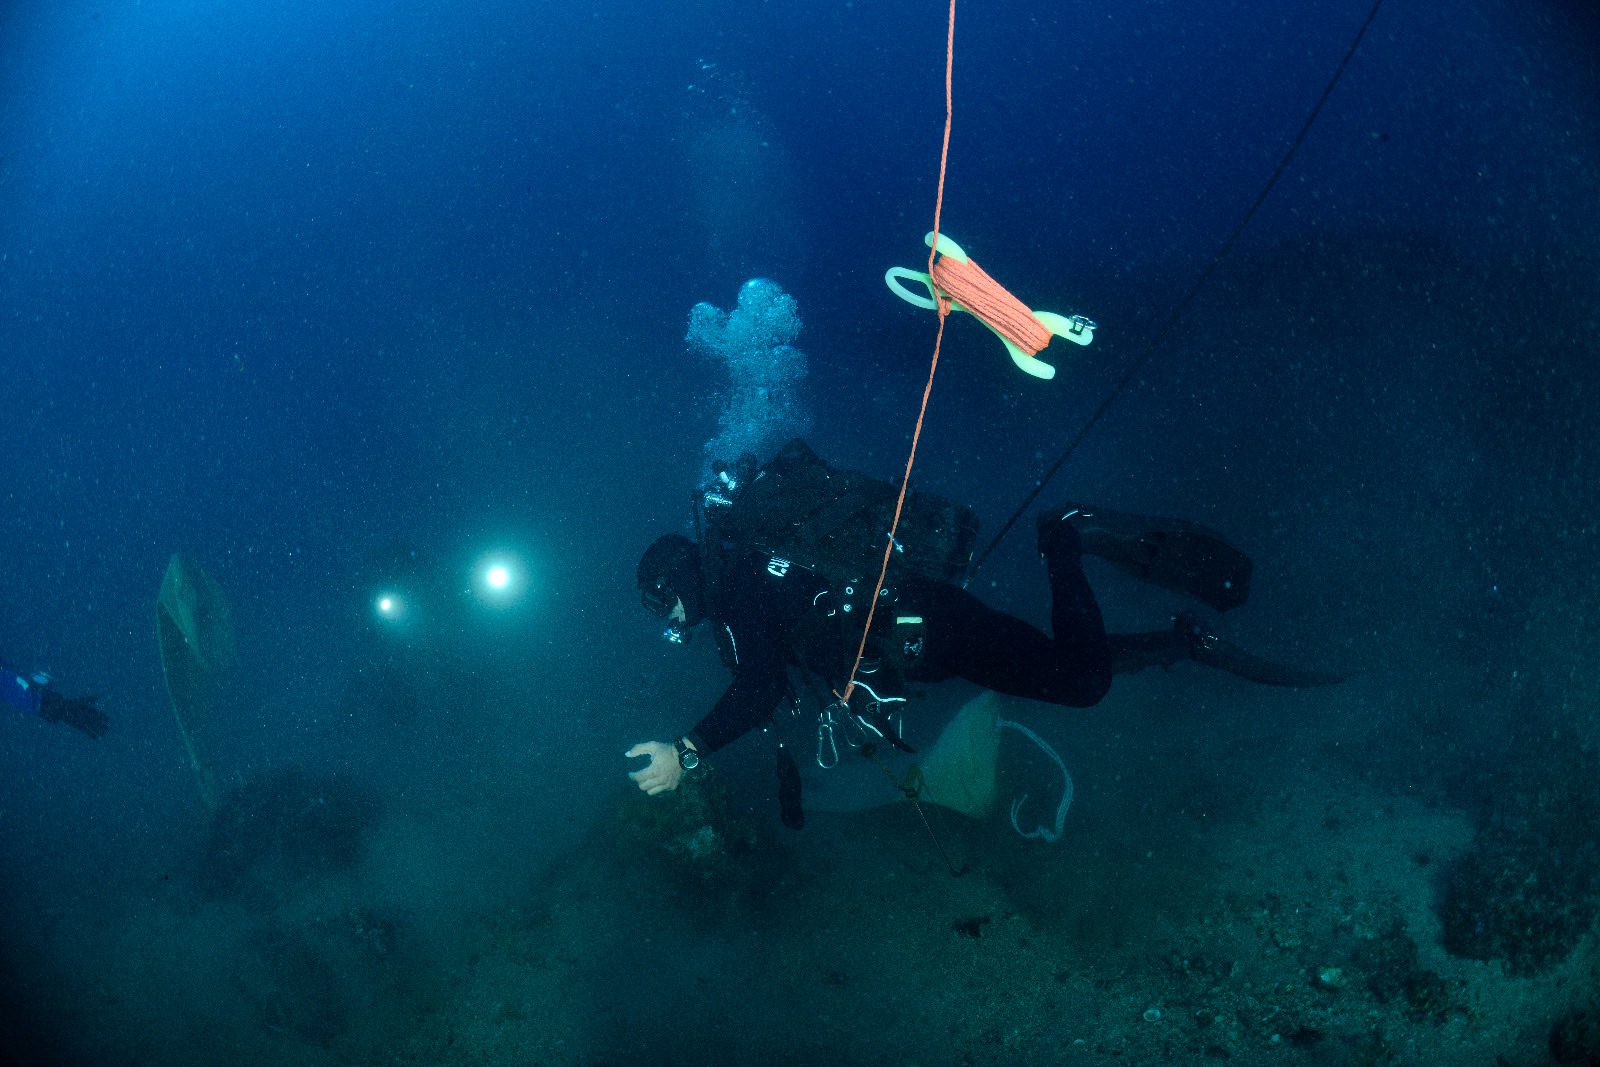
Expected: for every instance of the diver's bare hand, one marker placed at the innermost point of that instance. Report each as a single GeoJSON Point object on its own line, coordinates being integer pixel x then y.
{"type": "Point", "coordinates": [664, 772]}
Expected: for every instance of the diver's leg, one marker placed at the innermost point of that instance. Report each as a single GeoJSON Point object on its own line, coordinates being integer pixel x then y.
{"type": "Point", "coordinates": [1074, 613]}
{"type": "Point", "coordinates": [1061, 546]}
{"type": "Point", "coordinates": [969, 639]}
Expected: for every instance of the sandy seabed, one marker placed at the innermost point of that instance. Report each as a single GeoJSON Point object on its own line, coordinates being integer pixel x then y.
{"type": "Point", "coordinates": [1309, 938]}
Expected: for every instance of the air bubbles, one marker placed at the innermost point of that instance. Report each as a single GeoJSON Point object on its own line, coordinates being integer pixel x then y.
{"type": "Point", "coordinates": [762, 406]}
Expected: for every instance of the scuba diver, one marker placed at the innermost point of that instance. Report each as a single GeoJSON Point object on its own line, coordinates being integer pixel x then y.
{"type": "Point", "coordinates": [785, 566]}
{"type": "Point", "coordinates": [31, 694]}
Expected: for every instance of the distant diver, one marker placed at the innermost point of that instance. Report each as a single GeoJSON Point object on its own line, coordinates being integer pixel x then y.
{"type": "Point", "coordinates": [31, 694]}
{"type": "Point", "coordinates": [785, 566]}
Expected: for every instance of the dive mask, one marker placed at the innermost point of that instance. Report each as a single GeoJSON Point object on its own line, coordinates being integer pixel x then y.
{"type": "Point", "coordinates": [658, 598]}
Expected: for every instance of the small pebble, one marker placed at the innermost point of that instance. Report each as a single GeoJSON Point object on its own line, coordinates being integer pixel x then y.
{"type": "Point", "coordinates": [1152, 1015]}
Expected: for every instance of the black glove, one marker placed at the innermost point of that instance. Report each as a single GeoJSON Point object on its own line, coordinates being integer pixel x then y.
{"type": "Point", "coordinates": [80, 714]}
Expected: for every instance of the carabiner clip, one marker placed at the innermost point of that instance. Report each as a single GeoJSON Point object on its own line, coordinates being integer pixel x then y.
{"type": "Point", "coordinates": [825, 735]}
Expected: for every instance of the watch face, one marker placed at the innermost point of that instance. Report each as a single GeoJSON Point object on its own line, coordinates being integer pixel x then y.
{"type": "Point", "coordinates": [690, 760]}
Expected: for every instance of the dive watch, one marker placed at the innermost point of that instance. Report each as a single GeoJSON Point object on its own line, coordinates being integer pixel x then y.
{"type": "Point", "coordinates": [688, 758]}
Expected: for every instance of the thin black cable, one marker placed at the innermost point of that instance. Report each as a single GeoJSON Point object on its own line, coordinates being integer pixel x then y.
{"type": "Point", "coordinates": [1183, 304]}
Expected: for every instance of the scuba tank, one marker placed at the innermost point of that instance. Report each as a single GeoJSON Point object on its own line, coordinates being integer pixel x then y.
{"type": "Point", "coordinates": [830, 521]}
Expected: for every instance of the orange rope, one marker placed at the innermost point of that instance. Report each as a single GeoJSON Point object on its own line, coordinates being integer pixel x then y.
{"type": "Point", "coordinates": [968, 285]}
{"type": "Point", "coordinates": [944, 311]}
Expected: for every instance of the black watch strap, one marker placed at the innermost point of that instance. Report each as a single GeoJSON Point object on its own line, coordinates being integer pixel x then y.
{"type": "Point", "coordinates": [688, 758]}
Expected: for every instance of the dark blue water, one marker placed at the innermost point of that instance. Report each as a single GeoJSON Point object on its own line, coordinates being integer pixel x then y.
{"type": "Point", "coordinates": [342, 297]}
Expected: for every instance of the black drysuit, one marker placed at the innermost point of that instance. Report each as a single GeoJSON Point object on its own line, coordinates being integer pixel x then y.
{"type": "Point", "coordinates": [760, 601]}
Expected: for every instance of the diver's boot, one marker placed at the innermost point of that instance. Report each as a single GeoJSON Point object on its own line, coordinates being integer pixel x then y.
{"type": "Point", "coordinates": [1204, 646]}
{"type": "Point", "coordinates": [1184, 557]}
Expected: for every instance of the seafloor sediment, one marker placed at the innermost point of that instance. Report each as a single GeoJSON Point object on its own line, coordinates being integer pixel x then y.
{"type": "Point", "coordinates": [1300, 929]}
{"type": "Point", "coordinates": [1237, 883]}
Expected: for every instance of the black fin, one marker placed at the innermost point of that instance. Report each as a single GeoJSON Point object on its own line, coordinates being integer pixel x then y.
{"type": "Point", "coordinates": [1206, 647]}
{"type": "Point", "coordinates": [1235, 660]}
{"type": "Point", "coordinates": [1132, 653]}
{"type": "Point", "coordinates": [1191, 638]}
{"type": "Point", "coordinates": [1184, 557]}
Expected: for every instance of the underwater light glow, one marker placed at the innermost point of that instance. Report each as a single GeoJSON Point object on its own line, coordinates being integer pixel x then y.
{"type": "Point", "coordinates": [389, 607]}
{"type": "Point", "coordinates": [500, 580]}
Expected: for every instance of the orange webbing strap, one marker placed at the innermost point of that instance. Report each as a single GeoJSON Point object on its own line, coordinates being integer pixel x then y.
{"type": "Point", "coordinates": [968, 285]}
{"type": "Point", "coordinates": [944, 311]}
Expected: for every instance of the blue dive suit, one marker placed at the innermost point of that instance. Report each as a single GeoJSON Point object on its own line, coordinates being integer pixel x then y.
{"type": "Point", "coordinates": [21, 691]}
{"type": "Point", "coordinates": [31, 694]}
